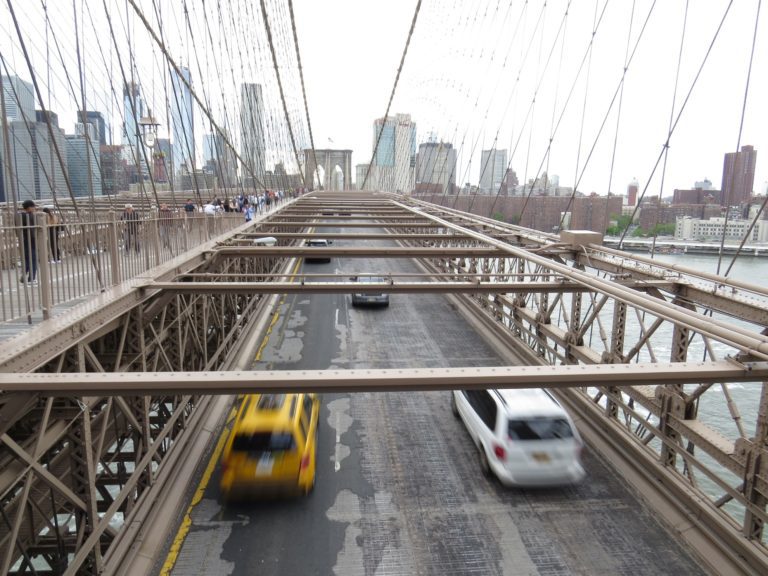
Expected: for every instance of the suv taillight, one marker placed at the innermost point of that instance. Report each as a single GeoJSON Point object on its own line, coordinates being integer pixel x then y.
{"type": "Point", "coordinates": [499, 451]}
{"type": "Point", "coordinates": [579, 450]}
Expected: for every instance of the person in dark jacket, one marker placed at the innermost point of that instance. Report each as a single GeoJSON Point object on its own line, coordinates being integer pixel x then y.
{"type": "Point", "coordinates": [131, 231]}
{"type": "Point", "coordinates": [29, 240]}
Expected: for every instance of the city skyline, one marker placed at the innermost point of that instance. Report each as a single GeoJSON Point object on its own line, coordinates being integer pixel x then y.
{"type": "Point", "coordinates": [19, 93]}
{"type": "Point", "coordinates": [475, 91]}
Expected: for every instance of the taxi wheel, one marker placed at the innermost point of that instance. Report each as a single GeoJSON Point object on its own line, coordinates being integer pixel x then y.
{"type": "Point", "coordinates": [311, 488]}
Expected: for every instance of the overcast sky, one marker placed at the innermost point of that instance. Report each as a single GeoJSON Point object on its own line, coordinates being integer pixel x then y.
{"type": "Point", "coordinates": [451, 87]}
{"type": "Point", "coordinates": [478, 74]}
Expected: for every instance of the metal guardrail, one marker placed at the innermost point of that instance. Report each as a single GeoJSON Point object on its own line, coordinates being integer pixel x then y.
{"type": "Point", "coordinates": [43, 266]}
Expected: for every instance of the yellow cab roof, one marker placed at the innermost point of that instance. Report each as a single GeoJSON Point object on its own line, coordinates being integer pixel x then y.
{"type": "Point", "coordinates": [267, 411]}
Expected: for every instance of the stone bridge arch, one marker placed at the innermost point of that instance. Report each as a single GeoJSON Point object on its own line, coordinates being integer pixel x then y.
{"type": "Point", "coordinates": [328, 159]}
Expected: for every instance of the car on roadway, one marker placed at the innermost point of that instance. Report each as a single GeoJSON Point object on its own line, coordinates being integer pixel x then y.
{"type": "Point", "coordinates": [317, 243]}
{"type": "Point", "coordinates": [369, 298]}
{"type": "Point", "coordinates": [272, 447]}
{"type": "Point", "coordinates": [523, 437]}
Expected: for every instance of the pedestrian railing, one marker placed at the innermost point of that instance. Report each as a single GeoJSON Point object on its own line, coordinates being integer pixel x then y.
{"type": "Point", "coordinates": [43, 266]}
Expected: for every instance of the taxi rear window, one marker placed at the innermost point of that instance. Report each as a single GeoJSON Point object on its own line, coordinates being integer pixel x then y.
{"type": "Point", "coordinates": [539, 429]}
{"type": "Point", "coordinates": [264, 442]}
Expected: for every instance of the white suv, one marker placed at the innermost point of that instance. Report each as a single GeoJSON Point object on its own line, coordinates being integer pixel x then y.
{"type": "Point", "coordinates": [523, 436]}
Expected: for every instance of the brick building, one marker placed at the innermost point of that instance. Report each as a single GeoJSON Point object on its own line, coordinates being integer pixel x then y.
{"type": "Point", "coordinates": [542, 212]}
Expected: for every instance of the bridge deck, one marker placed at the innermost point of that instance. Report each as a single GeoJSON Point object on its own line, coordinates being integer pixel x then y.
{"type": "Point", "coordinates": [399, 487]}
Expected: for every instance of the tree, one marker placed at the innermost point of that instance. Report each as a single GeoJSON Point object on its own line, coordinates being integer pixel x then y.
{"type": "Point", "coordinates": [622, 223]}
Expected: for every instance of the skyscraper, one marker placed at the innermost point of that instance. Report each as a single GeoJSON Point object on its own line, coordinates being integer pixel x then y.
{"type": "Point", "coordinates": [738, 176]}
{"type": "Point", "coordinates": [182, 119]}
{"type": "Point", "coordinates": [162, 159]}
{"type": "Point", "coordinates": [252, 130]}
{"type": "Point", "coordinates": [133, 110]}
{"type": "Point", "coordinates": [632, 189]}
{"type": "Point", "coordinates": [34, 166]}
{"type": "Point", "coordinates": [493, 168]}
{"type": "Point", "coordinates": [360, 171]}
{"type": "Point", "coordinates": [394, 163]}
{"type": "Point", "coordinates": [19, 99]}
{"type": "Point", "coordinates": [209, 148]}
{"type": "Point", "coordinates": [97, 119]}
{"type": "Point", "coordinates": [82, 164]}
{"type": "Point", "coordinates": [435, 167]}
{"type": "Point", "coordinates": [219, 159]}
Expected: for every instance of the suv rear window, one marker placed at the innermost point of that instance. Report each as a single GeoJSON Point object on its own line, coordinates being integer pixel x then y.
{"type": "Point", "coordinates": [263, 442]}
{"type": "Point", "coordinates": [539, 429]}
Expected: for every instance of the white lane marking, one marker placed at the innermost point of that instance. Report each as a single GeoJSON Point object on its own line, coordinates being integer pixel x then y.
{"type": "Point", "coordinates": [340, 420]}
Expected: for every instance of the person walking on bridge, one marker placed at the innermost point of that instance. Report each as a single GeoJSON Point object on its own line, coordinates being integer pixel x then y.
{"type": "Point", "coordinates": [29, 240]}
{"type": "Point", "coordinates": [54, 229]}
{"type": "Point", "coordinates": [165, 221]}
{"type": "Point", "coordinates": [131, 231]}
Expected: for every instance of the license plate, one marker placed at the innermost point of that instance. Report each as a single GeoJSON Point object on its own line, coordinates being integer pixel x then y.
{"type": "Point", "coordinates": [540, 456]}
{"type": "Point", "coordinates": [264, 465]}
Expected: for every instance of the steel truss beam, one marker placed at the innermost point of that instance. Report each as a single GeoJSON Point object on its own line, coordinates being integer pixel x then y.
{"type": "Point", "coordinates": [266, 287]}
{"type": "Point", "coordinates": [124, 370]}
{"type": "Point", "coordinates": [356, 252]}
{"type": "Point", "coordinates": [384, 380]}
{"type": "Point", "coordinates": [71, 469]}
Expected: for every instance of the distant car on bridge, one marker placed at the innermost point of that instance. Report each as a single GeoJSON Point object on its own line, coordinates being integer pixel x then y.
{"type": "Point", "coordinates": [368, 298]}
{"type": "Point", "coordinates": [318, 243]}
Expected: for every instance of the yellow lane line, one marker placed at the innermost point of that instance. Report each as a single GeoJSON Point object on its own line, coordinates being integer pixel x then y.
{"type": "Point", "coordinates": [275, 318]}
{"type": "Point", "coordinates": [186, 523]}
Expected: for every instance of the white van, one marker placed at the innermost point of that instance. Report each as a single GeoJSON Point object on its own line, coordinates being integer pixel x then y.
{"type": "Point", "coordinates": [265, 241]}
{"type": "Point", "coordinates": [524, 437]}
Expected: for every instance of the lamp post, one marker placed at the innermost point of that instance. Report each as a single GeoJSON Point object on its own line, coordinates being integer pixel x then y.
{"type": "Point", "coordinates": [148, 126]}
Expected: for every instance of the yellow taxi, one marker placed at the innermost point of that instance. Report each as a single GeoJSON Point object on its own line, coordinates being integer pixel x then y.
{"type": "Point", "coordinates": [273, 446]}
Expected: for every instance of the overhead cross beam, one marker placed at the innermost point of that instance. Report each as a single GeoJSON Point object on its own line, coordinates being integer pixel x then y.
{"type": "Point", "coordinates": [373, 380]}
{"type": "Point", "coordinates": [437, 287]}
{"type": "Point", "coordinates": [360, 252]}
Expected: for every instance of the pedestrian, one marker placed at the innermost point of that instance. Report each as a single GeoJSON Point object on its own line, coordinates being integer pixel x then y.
{"type": "Point", "coordinates": [248, 211]}
{"type": "Point", "coordinates": [131, 229]}
{"type": "Point", "coordinates": [54, 229]}
{"type": "Point", "coordinates": [227, 208]}
{"type": "Point", "coordinates": [189, 207]}
{"type": "Point", "coordinates": [165, 222]}
{"type": "Point", "coordinates": [29, 240]}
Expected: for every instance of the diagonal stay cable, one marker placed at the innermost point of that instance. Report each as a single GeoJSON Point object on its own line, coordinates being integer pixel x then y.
{"type": "Point", "coordinates": [177, 69]}
{"type": "Point", "coordinates": [303, 89]}
{"type": "Point", "coordinates": [738, 145]}
{"type": "Point", "coordinates": [280, 86]}
{"type": "Point", "coordinates": [392, 95]}
{"type": "Point", "coordinates": [679, 115]}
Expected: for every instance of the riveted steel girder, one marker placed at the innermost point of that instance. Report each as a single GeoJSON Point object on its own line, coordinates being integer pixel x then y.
{"type": "Point", "coordinates": [150, 346]}
{"type": "Point", "coordinates": [568, 376]}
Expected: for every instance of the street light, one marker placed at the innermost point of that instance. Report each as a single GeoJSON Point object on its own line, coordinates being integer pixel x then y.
{"type": "Point", "coordinates": [149, 126]}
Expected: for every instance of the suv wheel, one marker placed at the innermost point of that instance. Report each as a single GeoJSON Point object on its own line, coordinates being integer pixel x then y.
{"type": "Point", "coordinates": [484, 466]}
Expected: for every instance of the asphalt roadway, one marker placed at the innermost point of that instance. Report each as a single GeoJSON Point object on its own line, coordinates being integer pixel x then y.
{"type": "Point", "coordinates": [399, 488]}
